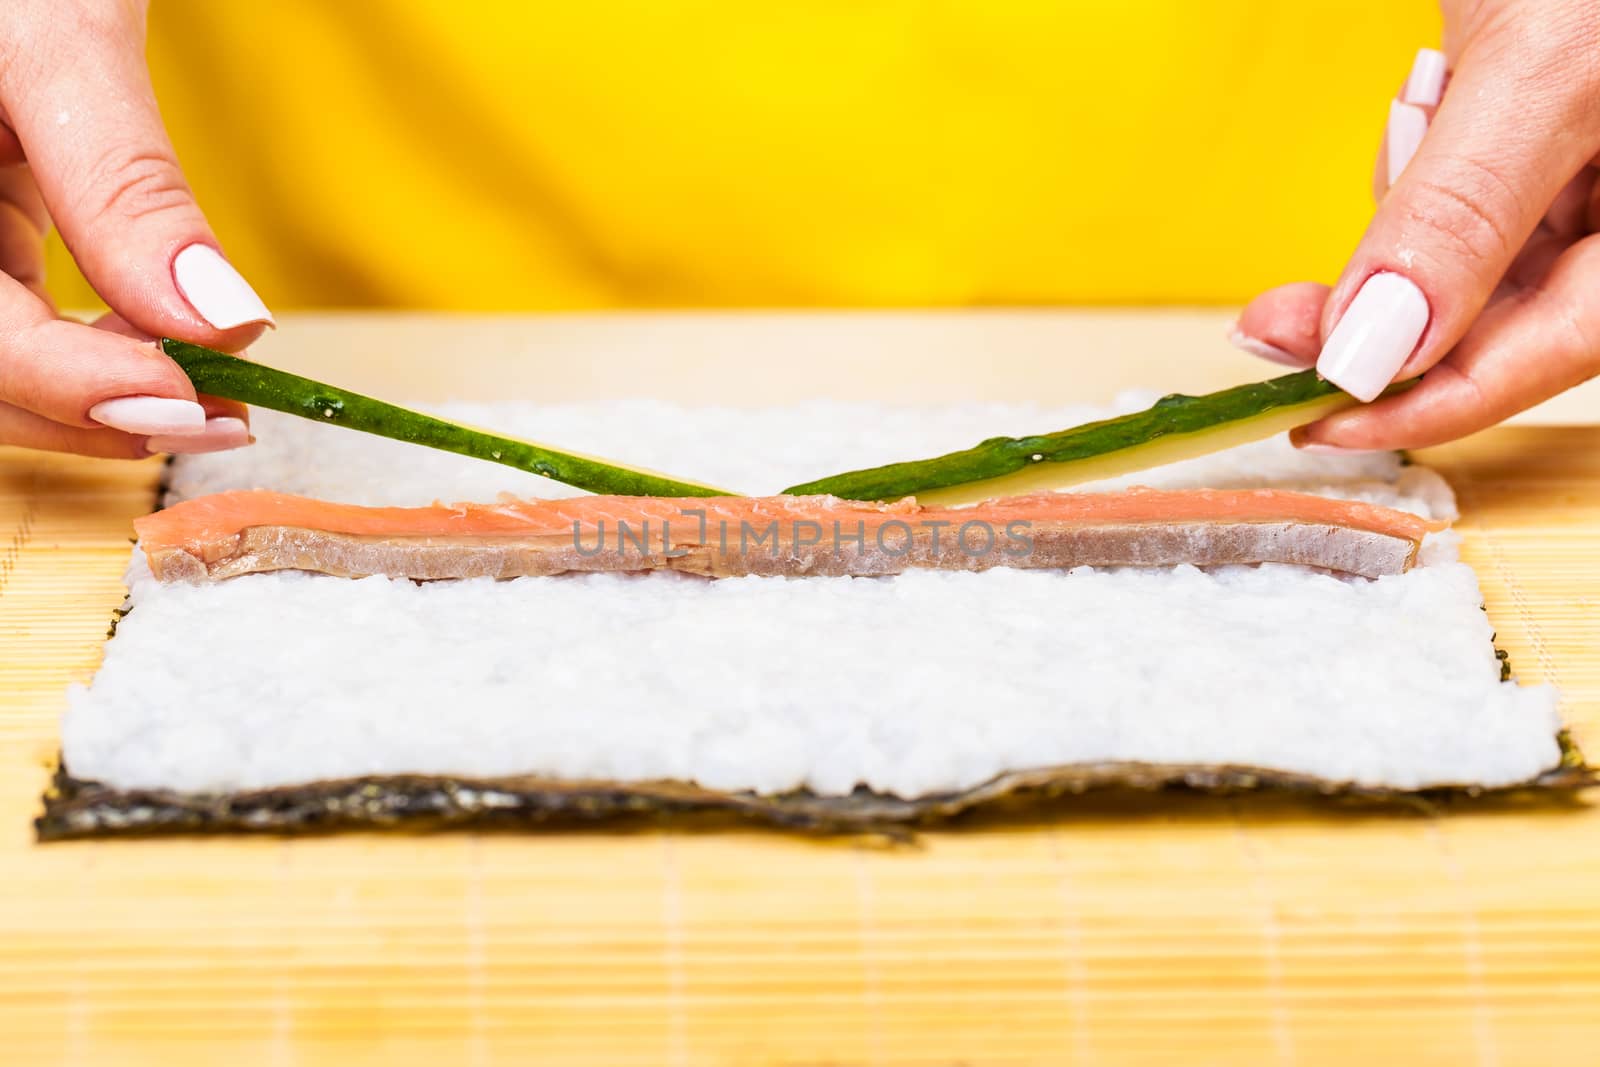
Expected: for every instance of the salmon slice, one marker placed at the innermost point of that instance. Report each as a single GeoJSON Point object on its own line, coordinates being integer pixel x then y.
{"type": "Point", "coordinates": [228, 534]}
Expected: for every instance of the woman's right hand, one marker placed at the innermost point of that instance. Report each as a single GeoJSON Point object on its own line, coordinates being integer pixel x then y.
{"type": "Point", "coordinates": [1480, 270]}
{"type": "Point", "coordinates": [82, 144]}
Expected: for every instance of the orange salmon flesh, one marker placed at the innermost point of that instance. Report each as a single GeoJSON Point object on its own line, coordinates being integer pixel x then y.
{"type": "Point", "coordinates": [227, 534]}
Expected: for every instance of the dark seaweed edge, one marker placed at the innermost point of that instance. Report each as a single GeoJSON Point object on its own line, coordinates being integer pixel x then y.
{"type": "Point", "coordinates": [79, 808]}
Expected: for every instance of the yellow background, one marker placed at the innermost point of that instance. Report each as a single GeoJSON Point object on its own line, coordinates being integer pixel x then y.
{"type": "Point", "coordinates": [498, 155]}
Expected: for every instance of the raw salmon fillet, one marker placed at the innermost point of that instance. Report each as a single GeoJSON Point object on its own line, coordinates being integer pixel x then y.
{"type": "Point", "coordinates": [228, 534]}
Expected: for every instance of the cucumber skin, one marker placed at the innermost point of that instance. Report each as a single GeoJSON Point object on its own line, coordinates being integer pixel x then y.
{"type": "Point", "coordinates": [999, 456]}
{"type": "Point", "coordinates": [232, 378]}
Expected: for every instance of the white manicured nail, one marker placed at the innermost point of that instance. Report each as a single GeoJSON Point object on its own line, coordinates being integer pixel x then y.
{"type": "Point", "coordinates": [1425, 85]}
{"type": "Point", "coordinates": [1332, 450]}
{"type": "Point", "coordinates": [1257, 347]}
{"type": "Point", "coordinates": [215, 290]}
{"type": "Point", "coordinates": [220, 434]}
{"type": "Point", "coordinates": [1408, 125]}
{"type": "Point", "coordinates": [1379, 331]}
{"type": "Point", "coordinates": [150, 415]}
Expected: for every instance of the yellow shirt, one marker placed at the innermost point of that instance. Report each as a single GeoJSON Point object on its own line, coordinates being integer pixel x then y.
{"type": "Point", "coordinates": [501, 154]}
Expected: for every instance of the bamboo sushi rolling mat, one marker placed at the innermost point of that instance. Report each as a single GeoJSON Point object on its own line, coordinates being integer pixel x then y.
{"type": "Point", "coordinates": [1167, 928]}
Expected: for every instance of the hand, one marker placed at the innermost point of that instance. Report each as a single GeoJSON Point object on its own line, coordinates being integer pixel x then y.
{"type": "Point", "coordinates": [1480, 270]}
{"type": "Point", "coordinates": [81, 143]}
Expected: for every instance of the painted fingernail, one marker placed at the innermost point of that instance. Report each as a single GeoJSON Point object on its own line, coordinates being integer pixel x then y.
{"type": "Point", "coordinates": [215, 290]}
{"type": "Point", "coordinates": [1425, 85]}
{"type": "Point", "coordinates": [150, 415]}
{"type": "Point", "coordinates": [1379, 331]}
{"type": "Point", "coordinates": [1408, 125]}
{"type": "Point", "coordinates": [1257, 347]}
{"type": "Point", "coordinates": [220, 434]}
{"type": "Point", "coordinates": [1320, 449]}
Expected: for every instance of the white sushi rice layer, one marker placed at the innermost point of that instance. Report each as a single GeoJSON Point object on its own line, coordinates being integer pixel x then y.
{"type": "Point", "coordinates": [922, 683]}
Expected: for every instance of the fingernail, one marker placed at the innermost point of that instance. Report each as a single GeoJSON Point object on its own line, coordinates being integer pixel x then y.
{"type": "Point", "coordinates": [1332, 450]}
{"type": "Point", "coordinates": [150, 415]}
{"type": "Point", "coordinates": [1408, 124]}
{"type": "Point", "coordinates": [1379, 331]}
{"type": "Point", "coordinates": [1256, 347]}
{"type": "Point", "coordinates": [220, 434]}
{"type": "Point", "coordinates": [1425, 85]}
{"type": "Point", "coordinates": [215, 290]}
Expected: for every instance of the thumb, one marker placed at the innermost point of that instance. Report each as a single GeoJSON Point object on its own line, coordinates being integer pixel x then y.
{"type": "Point", "coordinates": [1509, 133]}
{"type": "Point", "coordinates": [86, 115]}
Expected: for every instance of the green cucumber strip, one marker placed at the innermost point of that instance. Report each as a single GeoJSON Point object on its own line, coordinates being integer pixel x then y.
{"type": "Point", "coordinates": [1175, 428]}
{"type": "Point", "coordinates": [219, 374]}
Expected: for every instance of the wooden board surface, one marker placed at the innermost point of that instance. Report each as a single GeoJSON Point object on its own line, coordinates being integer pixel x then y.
{"type": "Point", "coordinates": [1156, 929]}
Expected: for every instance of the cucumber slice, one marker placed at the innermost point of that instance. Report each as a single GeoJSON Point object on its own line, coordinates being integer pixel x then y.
{"type": "Point", "coordinates": [228, 376]}
{"type": "Point", "coordinates": [1177, 427]}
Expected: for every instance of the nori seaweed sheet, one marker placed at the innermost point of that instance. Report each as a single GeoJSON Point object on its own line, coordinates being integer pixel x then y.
{"type": "Point", "coordinates": [77, 808]}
